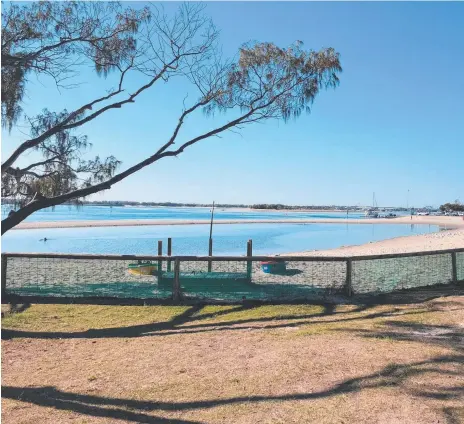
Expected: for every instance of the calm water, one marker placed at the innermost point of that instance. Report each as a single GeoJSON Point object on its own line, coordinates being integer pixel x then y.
{"type": "Point", "coordinates": [71, 213]}
{"type": "Point", "coordinates": [193, 239]}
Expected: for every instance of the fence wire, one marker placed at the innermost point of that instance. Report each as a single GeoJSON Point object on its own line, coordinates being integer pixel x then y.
{"type": "Point", "coordinates": [245, 280]}
{"type": "Point", "coordinates": [460, 266]}
{"type": "Point", "coordinates": [61, 277]}
{"type": "Point", "coordinates": [390, 274]}
{"type": "Point", "coordinates": [224, 279]}
{"type": "Point", "coordinates": [302, 280]}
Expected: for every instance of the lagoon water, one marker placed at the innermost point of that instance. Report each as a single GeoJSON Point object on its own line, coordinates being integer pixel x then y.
{"type": "Point", "coordinates": [229, 239]}
{"type": "Point", "coordinates": [87, 212]}
{"type": "Point", "coordinates": [193, 239]}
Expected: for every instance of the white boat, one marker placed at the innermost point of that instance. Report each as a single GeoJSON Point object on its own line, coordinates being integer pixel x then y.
{"type": "Point", "coordinates": [372, 212]}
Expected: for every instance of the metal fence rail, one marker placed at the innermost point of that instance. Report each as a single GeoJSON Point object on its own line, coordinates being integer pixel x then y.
{"type": "Point", "coordinates": [226, 278]}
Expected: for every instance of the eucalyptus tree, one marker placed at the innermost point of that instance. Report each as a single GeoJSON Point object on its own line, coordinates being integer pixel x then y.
{"type": "Point", "coordinates": [58, 39]}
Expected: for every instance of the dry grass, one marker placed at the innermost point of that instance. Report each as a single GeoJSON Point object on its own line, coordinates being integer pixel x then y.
{"type": "Point", "coordinates": [84, 317]}
{"type": "Point", "coordinates": [223, 364]}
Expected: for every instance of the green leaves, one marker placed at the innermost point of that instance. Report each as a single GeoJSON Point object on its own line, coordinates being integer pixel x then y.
{"type": "Point", "coordinates": [273, 82]}
{"type": "Point", "coordinates": [54, 38]}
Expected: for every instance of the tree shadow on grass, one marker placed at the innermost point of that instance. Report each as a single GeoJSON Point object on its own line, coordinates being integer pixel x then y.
{"type": "Point", "coordinates": [447, 336]}
{"type": "Point", "coordinates": [442, 335]}
{"type": "Point", "coordinates": [137, 410]}
{"type": "Point", "coordinates": [394, 375]}
{"type": "Point", "coordinates": [17, 307]}
{"type": "Point", "coordinates": [94, 406]}
{"type": "Point", "coordinates": [189, 322]}
{"type": "Point", "coordinates": [454, 415]}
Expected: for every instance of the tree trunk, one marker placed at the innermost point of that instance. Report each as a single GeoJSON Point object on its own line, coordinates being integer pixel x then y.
{"type": "Point", "coordinates": [14, 219]}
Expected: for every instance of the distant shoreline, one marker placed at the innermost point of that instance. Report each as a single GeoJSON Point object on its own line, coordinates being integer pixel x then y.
{"type": "Point", "coordinates": [289, 209]}
{"type": "Point", "coordinates": [444, 221]}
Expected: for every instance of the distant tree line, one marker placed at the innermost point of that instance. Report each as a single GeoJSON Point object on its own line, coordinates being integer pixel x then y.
{"type": "Point", "coordinates": [217, 205]}
{"type": "Point", "coordinates": [267, 206]}
{"type": "Point", "coordinates": [452, 207]}
{"type": "Point", "coordinates": [165, 204]}
{"type": "Point", "coordinates": [278, 206]}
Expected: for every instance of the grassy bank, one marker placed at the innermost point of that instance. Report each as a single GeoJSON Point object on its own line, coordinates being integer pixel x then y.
{"type": "Point", "coordinates": [220, 364]}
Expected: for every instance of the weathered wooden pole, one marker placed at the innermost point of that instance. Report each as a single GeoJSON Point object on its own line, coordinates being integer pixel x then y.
{"type": "Point", "coordinates": [169, 252]}
{"type": "Point", "coordinates": [454, 269]}
{"type": "Point", "coordinates": [210, 245]}
{"type": "Point", "coordinates": [160, 263]}
{"type": "Point", "coordinates": [176, 281]}
{"type": "Point", "coordinates": [3, 277]}
{"type": "Point", "coordinates": [210, 253]}
{"type": "Point", "coordinates": [348, 282]}
{"type": "Point", "coordinates": [211, 224]}
{"type": "Point", "coordinates": [249, 262]}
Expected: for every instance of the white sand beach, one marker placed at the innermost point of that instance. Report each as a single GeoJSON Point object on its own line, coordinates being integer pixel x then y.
{"type": "Point", "coordinates": [442, 240]}
{"type": "Point", "coordinates": [444, 221]}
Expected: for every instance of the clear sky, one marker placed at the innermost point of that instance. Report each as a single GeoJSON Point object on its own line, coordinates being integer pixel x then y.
{"type": "Point", "coordinates": [396, 122]}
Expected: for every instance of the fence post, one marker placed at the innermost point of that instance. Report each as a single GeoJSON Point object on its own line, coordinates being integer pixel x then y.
{"type": "Point", "coordinates": [454, 269]}
{"type": "Point", "coordinates": [210, 253]}
{"type": "Point", "coordinates": [169, 252]}
{"type": "Point", "coordinates": [348, 282]}
{"type": "Point", "coordinates": [160, 263]}
{"type": "Point", "coordinates": [176, 281]}
{"type": "Point", "coordinates": [249, 263]}
{"type": "Point", "coordinates": [3, 277]}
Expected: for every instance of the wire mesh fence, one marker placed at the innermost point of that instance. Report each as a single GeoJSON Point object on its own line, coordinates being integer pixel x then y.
{"type": "Point", "coordinates": [231, 279]}
{"type": "Point", "coordinates": [242, 279]}
{"type": "Point", "coordinates": [460, 266]}
{"type": "Point", "coordinates": [391, 274]}
{"type": "Point", "coordinates": [80, 277]}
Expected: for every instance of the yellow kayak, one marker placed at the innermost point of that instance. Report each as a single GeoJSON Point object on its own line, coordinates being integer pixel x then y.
{"type": "Point", "coordinates": [143, 268]}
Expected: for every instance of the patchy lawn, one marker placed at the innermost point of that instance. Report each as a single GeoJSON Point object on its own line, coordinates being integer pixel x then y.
{"type": "Point", "coordinates": [223, 364]}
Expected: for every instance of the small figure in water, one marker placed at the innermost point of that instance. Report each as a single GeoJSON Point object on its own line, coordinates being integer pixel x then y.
{"type": "Point", "coordinates": [44, 239]}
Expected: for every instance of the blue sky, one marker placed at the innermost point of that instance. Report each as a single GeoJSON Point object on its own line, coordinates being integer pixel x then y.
{"type": "Point", "coordinates": [394, 123]}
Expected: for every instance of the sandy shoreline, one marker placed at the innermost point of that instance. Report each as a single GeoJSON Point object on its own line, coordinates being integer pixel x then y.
{"type": "Point", "coordinates": [443, 221]}
{"type": "Point", "coordinates": [443, 240]}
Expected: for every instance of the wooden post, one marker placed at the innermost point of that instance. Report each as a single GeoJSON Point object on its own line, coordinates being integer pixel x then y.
{"type": "Point", "coordinates": [3, 277]}
{"type": "Point", "coordinates": [454, 270]}
{"type": "Point", "coordinates": [169, 252]}
{"type": "Point", "coordinates": [210, 253]}
{"type": "Point", "coordinates": [160, 263]}
{"type": "Point", "coordinates": [176, 281]}
{"type": "Point", "coordinates": [210, 247]}
{"type": "Point", "coordinates": [249, 263]}
{"type": "Point", "coordinates": [348, 283]}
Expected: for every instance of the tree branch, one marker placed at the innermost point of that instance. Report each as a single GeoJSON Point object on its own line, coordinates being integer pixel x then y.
{"type": "Point", "coordinates": [65, 126]}
{"type": "Point", "coordinates": [36, 205]}
{"type": "Point", "coordinates": [34, 165]}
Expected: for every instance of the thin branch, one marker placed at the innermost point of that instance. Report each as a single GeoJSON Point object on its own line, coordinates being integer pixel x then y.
{"type": "Point", "coordinates": [44, 162]}
{"type": "Point", "coordinates": [64, 125]}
